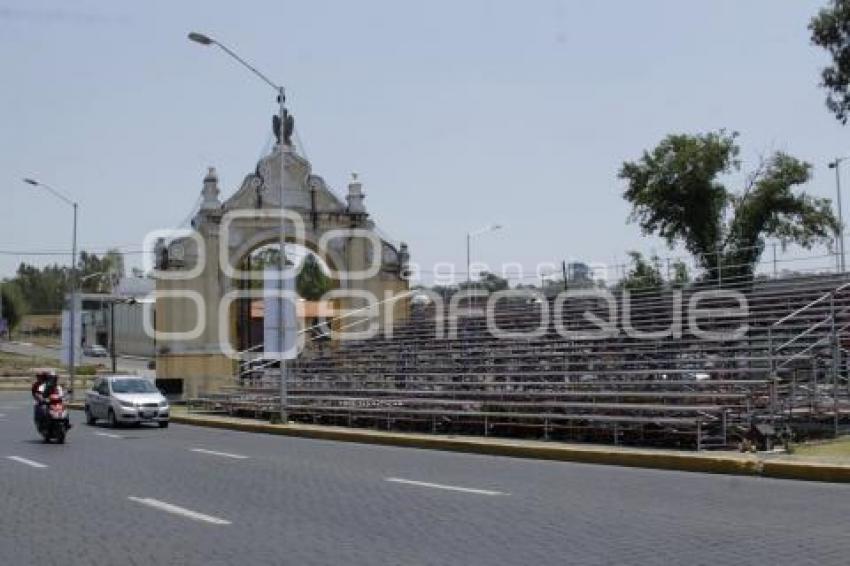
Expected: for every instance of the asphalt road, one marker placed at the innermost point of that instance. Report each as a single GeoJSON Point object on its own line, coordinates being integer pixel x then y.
{"type": "Point", "coordinates": [132, 365]}
{"type": "Point", "coordinates": [185, 495]}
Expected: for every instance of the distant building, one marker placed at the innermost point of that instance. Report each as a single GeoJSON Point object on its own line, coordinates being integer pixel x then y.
{"type": "Point", "coordinates": [579, 272]}
{"type": "Point", "coordinates": [130, 337]}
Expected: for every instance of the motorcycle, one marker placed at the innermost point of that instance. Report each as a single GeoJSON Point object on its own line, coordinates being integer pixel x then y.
{"type": "Point", "coordinates": [54, 422]}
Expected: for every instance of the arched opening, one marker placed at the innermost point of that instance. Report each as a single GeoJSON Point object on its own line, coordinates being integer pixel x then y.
{"type": "Point", "coordinates": [312, 281]}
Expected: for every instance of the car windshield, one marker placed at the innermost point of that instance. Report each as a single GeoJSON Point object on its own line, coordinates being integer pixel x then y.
{"type": "Point", "coordinates": [133, 386]}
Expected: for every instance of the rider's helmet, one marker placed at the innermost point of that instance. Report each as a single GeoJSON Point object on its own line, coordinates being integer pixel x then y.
{"type": "Point", "coordinates": [48, 378]}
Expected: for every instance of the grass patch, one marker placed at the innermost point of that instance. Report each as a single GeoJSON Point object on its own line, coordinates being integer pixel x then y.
{"type": "Point", "coordinates": [21, 366]}
{"type": "Point", "coordinates": [831, 450]}
{"type": "Point", "coordinates": [13, 365]}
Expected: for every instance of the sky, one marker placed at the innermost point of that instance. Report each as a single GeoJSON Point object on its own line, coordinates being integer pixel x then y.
{"type": "Point", "coordinates": [456, 115]}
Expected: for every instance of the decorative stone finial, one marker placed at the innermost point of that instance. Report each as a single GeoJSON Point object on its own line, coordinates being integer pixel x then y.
{"type": "Point", "coordinates": [210, 191]}
{"type": "Point", "coordinates": [404, 260]}
{"type": "Point", "coordinates": [355, 196]}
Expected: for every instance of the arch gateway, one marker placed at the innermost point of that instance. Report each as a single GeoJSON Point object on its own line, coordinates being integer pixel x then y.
{"type": "Point", "coordinates": [198, 271]}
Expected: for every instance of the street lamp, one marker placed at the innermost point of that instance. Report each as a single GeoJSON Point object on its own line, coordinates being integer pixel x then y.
{"type": "Point", "coordinates": [469, 236]}
{"type": "Point", "coordinates": [840, 232]}
{"type": "Point", "coordinates": [72, 349]}
{"type": "Point", "coordinates": [205, 40]}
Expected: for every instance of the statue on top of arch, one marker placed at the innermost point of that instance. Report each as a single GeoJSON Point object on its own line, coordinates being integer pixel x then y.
{"type": "Point", "coordinates": [288, 126]}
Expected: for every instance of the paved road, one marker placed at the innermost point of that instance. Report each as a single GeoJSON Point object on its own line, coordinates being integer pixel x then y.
{"type": "Point", "coordinates": [133, 365]}
{"type": "Point", "coordinates": [189, 495]}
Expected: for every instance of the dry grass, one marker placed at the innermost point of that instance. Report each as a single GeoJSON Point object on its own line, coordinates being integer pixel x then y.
{"type": "Point", "coordinates": [837, 450]}
{"type": "Point", "coordinates": [16, 365]}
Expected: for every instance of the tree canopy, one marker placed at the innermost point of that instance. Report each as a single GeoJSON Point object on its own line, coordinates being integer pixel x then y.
{"type": "Point", "coordinates": [311, 282]}
{"type": "Point", "coordinates": [488, 282]}
{"type": "Point", "coordinates": [830, 30]}
{"type": "Point", "coordinates": [14, 306]}
{"type": "Point", "coordinates": [646, 274]}
{"type": "Point", "coordinates": [43, 289]}
{"type": "Point", "coordinates": [99, 274]}
{"type": "Point", "coordinates": [676, 193]}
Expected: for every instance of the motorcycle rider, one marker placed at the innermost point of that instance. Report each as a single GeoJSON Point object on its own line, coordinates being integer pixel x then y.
{"type": "Point", "coordinates": [38, 409]}
{"type": "Point", "coordinates": [49, 384]}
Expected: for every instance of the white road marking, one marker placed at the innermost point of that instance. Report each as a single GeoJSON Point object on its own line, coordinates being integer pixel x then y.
{"type": "Point", "coordinates": [2, 415]}
{"type": "Point", "coordinates": [447, 487]}
{"type": "Point", "coordinates": [108, 435]}
{"type": "Point", "coordinates": [223, 454]}
{"type": "Point", "coordinates": [27, 462]}
{"type": "Point", "coordinates": [183, 512]}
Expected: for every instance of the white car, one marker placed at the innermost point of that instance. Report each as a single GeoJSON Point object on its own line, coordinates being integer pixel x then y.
{"type": "Point", "coordinates": [95, 351]}
{"type": "Point", "coordinates": [126, 399]}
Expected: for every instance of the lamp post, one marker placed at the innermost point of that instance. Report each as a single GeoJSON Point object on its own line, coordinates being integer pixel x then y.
{"type": "Point", "coordinates": [469, 236]}
{"type": "Point", "coordinates": [281, 98]}
{"type": "Point", "coordinates": [1, 310]}
{"type": "Point", "coordinates": [840, 232]}
{"type": "Point", "coordinates": [72, 350]}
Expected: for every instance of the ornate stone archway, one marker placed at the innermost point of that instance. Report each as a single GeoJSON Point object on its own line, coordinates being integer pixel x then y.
{"type": "Point", "coordinates": [224, 232]}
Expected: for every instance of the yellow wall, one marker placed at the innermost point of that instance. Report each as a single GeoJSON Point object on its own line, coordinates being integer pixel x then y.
{"type": "Point", "coordinates": [200, 372]}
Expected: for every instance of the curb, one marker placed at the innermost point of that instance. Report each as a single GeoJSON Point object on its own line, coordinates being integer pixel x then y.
{"type": "Point", "coordinates": [809, 471]}
{"type": "Point", "coordinates": [637, 459]}
{"type": "Point", "coordinates": [634, 458]}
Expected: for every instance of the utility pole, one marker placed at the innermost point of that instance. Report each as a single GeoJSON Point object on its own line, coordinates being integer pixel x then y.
{"type": "Point", "coordinates": [719, 268]}
{"type": "Point", "coordinates": [282, 149]}
{"type": "Point", "coordinates": [564, 269]}
{"type": "Point", "coordinates": [72, 316]}
{"type": "Point", "coordinates": [469, 236]}
{"type": "Point", "coordinates": [112, 336]}
{"type": "Point", "coordinates": [840, 231]}
{"type": "Point", "coordinates": [1, 309]}
{"type": "Point", "coordinates": [284, 370]}
{"type": "Point", "coordinates": [774, 260]}
{"type": "Point", "coordinates": [72, 365]}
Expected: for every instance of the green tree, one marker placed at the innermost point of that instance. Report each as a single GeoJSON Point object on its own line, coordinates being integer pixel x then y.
{"type": "Point", "coordinates": [95, 273]}
{"type": "Point", "coordinates": [676, 193]}
{"type": "Point", "coordinates": [115, 267]}
{"type": "Point", "coordinates": [643, 274]}
{"type": "Point", "coordinates": [43, 290]}
{"type": "Point", "coordinates": [488, 282]}
{"type": "Point", "coordinates": [680, 276]}
{"type": "Point", "coordinates": [14, 306]}
{"type": "Point", "coordinates": [311, 282]}
{"type": "Point", "coordinates": [830, 30]}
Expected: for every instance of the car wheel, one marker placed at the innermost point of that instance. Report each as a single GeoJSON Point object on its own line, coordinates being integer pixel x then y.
{"type": "Point", "coordinates": [163, 424]}
{"type": "Point", "coordinates": [90, 420]}
{"type": "Point", "coordinates": [113, 422]}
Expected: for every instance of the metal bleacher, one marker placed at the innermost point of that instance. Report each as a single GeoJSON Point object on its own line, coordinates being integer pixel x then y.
{"type": "Point", "coordinates": [447, 373]}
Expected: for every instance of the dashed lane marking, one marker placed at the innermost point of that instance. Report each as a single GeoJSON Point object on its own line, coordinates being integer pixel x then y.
{"type": "Point", "coordinates": [181, 511]}
{"type": "Point", "coordinates": [446, 487]}
{"type": "Point", "coordinates": [222, 454]}
{"type": "Point", "coordinates": [30, 463]}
